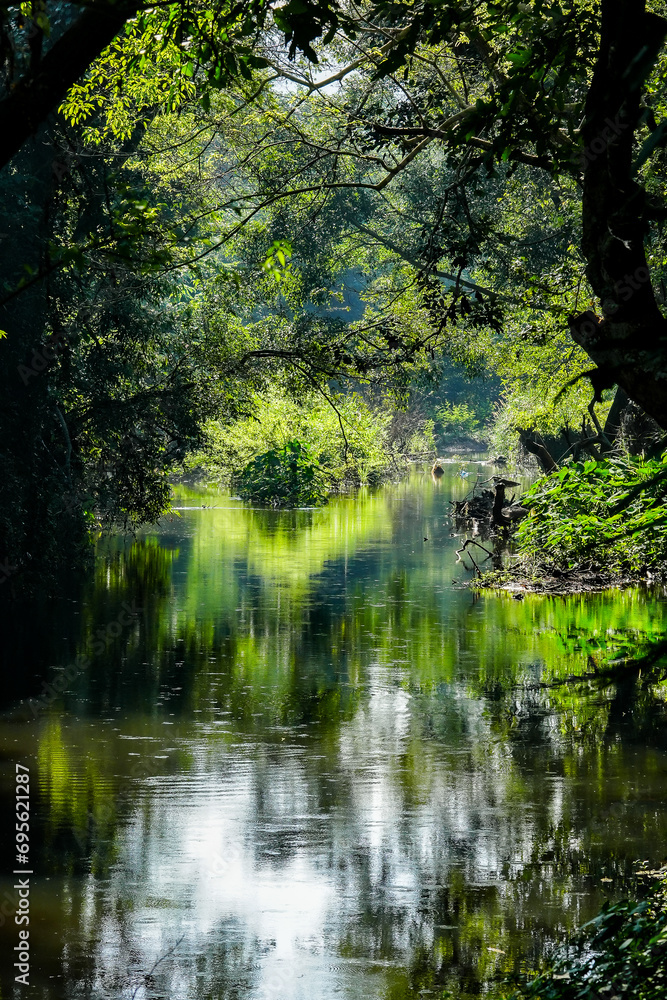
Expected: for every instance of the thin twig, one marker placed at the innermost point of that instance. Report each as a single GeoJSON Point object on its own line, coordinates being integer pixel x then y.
{"type": "Point", "coordinates": [150, 972]}
{"type": "Point", "coordinates": [471, 541]}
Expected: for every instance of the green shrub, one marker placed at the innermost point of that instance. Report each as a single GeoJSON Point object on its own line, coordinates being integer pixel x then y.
{"type": "Point", "coordinates": [422, 440]}
{"type": "Point", "coordinates": [621, 953]}
{"type": "Point", "coordinates": [362, 456]}
{"type": "Point", "coordinates": [613, 511]}
{"type": "Point", "coordinates": [285, 477]}
{"type": "Point", "coordinates": [458, 420]}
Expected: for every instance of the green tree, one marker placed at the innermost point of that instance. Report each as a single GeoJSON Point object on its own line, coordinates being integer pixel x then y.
{"type": "Point", "coordinates": [516, 86]}
{"type": "Point", "coordinates": [106, 382]}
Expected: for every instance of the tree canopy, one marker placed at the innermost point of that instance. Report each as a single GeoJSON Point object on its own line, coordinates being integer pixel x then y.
{"type": "Point", "coordinates": [326, 196]}
{"type": "Point", "coordinates": [562, 88]}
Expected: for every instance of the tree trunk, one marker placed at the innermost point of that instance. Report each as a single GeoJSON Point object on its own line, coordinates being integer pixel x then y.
{"type": "Point", "coordinates": [543, 456]}
{"type": "Point", "coordinates": [613, 422]}
{"type": "Point", "coordinates": [40, 92]}
{"type": "Point", "coordinates": [629, 341]}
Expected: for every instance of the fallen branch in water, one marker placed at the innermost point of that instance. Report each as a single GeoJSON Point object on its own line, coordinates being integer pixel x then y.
{"type": "Point", "coordinates": [471, 541]}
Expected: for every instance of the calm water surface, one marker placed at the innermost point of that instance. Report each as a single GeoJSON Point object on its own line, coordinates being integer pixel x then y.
{"type": "Point", "coordinates": [307, 763]}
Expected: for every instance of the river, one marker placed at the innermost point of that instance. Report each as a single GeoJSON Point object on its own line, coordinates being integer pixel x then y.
{"type": "Point", "coordinates": [297, 759]}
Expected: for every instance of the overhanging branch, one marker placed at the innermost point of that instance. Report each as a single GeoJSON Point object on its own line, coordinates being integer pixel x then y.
{"type": "Point", "coordinates": [37, 94]}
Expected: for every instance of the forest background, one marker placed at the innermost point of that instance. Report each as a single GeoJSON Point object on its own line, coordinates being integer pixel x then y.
{"type": "Point", "coordinates": [317, 238]}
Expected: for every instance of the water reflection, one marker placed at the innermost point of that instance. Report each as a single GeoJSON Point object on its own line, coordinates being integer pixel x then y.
{"type": "Point", "coordinates": [311, 765]}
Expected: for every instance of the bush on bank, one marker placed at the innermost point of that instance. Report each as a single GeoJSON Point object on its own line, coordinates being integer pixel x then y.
{"type": "Point", "coordinates": [350, 443]}
{"type": "Point", "coordinates": [284, 477]}
{"type": "Point", "coordinates": [611, 512]}
{"type": "Point", "coordinates": [620, 954]}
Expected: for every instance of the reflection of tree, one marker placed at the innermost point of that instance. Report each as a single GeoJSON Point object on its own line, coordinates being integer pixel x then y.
{"type": "Point", "coordinates": [137, 574]}
{"type": "Point", "coordinates": [631, 689]}
{"type": "Point", "coordinates": [36, 632]}
{"type": "Point", "coordinates": [340, 708]}
{"type": "Point", "coordinates": [637, 706]}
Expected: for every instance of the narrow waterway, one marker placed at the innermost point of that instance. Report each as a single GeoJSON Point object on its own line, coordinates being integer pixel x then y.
{"type": "Point", "coordinates": [297, 760]}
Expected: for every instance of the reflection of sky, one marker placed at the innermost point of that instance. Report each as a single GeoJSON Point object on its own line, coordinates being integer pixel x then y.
{"type": "Point", "coordinates": [318, 869]}
{"type": "Point", "coordinates": [240, 847]}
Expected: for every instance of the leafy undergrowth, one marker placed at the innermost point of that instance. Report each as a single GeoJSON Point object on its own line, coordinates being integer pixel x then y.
{"type": "Point", "coordinates": [621, 953]}
{"type": "Point", "coordinates": [607, 518]}
{"type": "Point", "coordinates": [284, 477]}
{"type": "Point", "coordinates": [349, 442]}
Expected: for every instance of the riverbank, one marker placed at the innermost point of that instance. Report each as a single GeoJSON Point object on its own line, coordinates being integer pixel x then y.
{"type": "Point", "coordinates": [519, 580]}
{"type": "Point", "coordinates": [585, 528]}
{"type": "Point", "coordinates": [620, 953]}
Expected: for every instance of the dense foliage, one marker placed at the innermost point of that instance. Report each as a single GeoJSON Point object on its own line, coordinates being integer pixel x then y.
{"type": "Point", "coordinates": [611, 513]}
{"type": "Point", "coordinates": [290, 476]}
{"type": "Point", "coordinates": [219, 255]}
{"type": "Point", "coordinates": [351, 442]}
{"type": "Point", "coordinates": [621, 953]}
{"type": "Point", "coordinates": [219, 218]}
